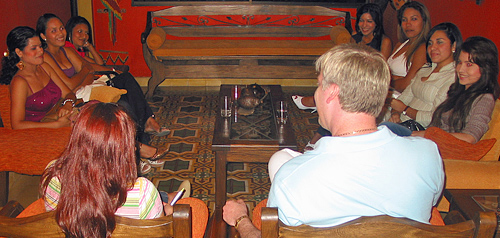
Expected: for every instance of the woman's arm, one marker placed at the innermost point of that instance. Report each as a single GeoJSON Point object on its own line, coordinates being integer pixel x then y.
{"type": "Point", "coordinates": [417, 61]}
{"type": "Point", "coordinates": [19, 89]}
{"type": "Point", "coordinates": [97, 59]}
{"type": "Point", "coordinates": [83, 77]}
{"type": "Point", "coordinates": [67, 94]}
{"type": "Point", "coordinates": [479, 117]}
{"type": "Point", "coordinates": [386, 47]}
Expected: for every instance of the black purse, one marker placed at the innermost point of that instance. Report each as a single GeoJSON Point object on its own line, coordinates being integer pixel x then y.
{"type": "Point", "coordinates": [108, 73]}
{"type": "Point", "coordinates": [412, 125]}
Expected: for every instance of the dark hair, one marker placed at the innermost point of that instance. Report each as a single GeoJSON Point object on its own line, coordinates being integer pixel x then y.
{"type": "Point", "coordinates": [95, 171]}
{"type": "Point", "coordinates": [41, 25]}
{"type": "Point", "coordinates": [376, 13]}
{"type": "Point", "coordinates": [72, 22]}
{"type": "Point", "coordinates": [425, 28]}
{"type": "Point", "coordinates": [16, 39]}
{"type": "Point", "coordinates": [452, 32]}
{"type": "Point", "coordinates": [484, 53]}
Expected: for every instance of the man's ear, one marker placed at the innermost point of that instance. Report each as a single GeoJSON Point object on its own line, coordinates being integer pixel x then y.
{"type": "Point", "coordinates": [333, 92]}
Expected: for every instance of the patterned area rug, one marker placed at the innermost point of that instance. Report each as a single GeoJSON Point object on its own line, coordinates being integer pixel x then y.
{"type": "Point", "coordinates": [190, 114]}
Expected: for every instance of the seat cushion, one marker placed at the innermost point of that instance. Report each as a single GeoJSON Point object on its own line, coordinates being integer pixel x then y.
{"type": "Point", "coordinates": [193, 48]}
{"type": "Point", "coordinates": [451, 147]}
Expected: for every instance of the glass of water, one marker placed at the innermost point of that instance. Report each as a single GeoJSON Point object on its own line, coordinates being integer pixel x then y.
{"type": "Point", "coordinates": [281, 108]}
{"type": "Point", "coordinates": [226, 106]}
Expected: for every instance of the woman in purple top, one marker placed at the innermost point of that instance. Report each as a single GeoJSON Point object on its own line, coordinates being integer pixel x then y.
{"type": "Point", "coordinates": [35, 87]}
{"type": "Point", "coordinates": [76, 72]}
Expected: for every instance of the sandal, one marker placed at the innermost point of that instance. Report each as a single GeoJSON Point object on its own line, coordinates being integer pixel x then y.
{"type": "Point", "coordinates": [298, 101]}
{"type": "Point", "coordinates": [144, 167]}
{"type": "Point", "coordinates": [163, 132]}
{"type": "Point", "coordinates": [156, 163]}
{"type": "Point", "coordinates": [309, 146]}
{"type": "Point", "coordinates": [159, 154]}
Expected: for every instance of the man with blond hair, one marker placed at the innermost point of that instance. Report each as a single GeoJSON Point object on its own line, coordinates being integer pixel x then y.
{"type": "Point", "coordinates": [362, 170]}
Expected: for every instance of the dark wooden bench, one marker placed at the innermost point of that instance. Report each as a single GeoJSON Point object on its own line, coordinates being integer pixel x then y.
{"type": "Point", "coordinates": [239, 41]}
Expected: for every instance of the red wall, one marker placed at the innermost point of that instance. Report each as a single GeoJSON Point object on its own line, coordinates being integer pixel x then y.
{"type": "Point", "coordinates": [471, 19]}
{"type": "Point", "coordinates": [128, 35]}
{"type": "Point", "coordinates": [26, 13]}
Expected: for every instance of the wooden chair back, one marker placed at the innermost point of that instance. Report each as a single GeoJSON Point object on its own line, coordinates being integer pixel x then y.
{"type": "Point", "coordinates": [482, 226]}
{"type": "Point", "coordinates": [44, 225]}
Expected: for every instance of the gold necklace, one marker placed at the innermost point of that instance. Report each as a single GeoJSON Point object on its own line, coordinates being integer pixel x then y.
{"type": "Point", "coordinates": [355, 132]}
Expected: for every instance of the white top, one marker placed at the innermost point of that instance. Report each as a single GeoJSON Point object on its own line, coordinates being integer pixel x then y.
{"type": "Point", "coordinates": [398, 64]}
{"type": "Point", "coordinates": [344, 178]}
{"type": "Point", "coordinates": [426, 96]}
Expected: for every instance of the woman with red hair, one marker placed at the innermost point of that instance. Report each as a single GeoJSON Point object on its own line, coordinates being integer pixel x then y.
{"type": "Point", "coordinates": [96, 176]}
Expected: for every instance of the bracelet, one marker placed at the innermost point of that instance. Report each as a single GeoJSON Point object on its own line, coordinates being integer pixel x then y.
{"type": "Point", "coordinates": [237, 223]}
{"type": "Point", "coordinates": [69, 100]}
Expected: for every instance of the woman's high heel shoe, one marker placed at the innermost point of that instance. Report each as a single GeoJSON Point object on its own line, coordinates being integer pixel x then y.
{"type": "Point", "coordinates": [298, 101]}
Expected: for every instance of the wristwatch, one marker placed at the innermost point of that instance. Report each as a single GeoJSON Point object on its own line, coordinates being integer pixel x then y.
{"type": "Point", "coordinates": [404, 111]}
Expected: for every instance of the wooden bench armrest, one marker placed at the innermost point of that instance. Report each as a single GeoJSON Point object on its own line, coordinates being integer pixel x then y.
{"type": "Point", "coordinates": [11, 209]}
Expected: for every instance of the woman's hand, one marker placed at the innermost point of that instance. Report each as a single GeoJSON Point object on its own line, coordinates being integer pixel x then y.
{"type": "Point", "coordinates": [418, 133]}
{"type": "Point", "coordinates": [397, 105]}
{"type": "Point", "coordinates": [168, 209]}
{"type": "Point", "coordinates": [64, 121]}
{"type": "Point", "coordinates": [395, 117]}
{"type": "Point", "coordinates": [66, 109]}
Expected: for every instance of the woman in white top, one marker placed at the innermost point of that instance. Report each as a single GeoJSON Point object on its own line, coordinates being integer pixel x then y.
{"type": "Point", "coordinates": [429, 87]}
{"type": "Point", "coordinates": [414, 24]}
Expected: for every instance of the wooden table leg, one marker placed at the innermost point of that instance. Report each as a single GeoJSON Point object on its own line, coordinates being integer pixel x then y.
{"type": "Point", "coordinates": [4, 188]}
{"type": "Point", "coordinates": [219, 227]}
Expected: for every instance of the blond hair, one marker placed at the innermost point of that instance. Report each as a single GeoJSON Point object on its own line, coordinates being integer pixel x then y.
{"type": "Point", "coordinates": [362, 75]}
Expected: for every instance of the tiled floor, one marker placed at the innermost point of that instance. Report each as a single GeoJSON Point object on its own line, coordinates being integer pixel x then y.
{"type": "Point", "coordinates": [24, 188]}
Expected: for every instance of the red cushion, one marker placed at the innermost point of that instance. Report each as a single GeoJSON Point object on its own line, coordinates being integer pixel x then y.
{"type": "Point", "coordinates": [451, 147]}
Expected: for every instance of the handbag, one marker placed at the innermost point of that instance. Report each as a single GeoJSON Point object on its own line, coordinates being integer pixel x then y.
{"type": "Point", "coordinates": [53, 114]}
{"type": "Point", "coordinates": [412, 125]}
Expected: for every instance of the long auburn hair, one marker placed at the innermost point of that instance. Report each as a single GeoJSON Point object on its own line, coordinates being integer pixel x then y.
{"type": "Point", "coordinates": [484, 53]}
{"type": "Point", "coordinates": [95, 171]}
{"type": "Point", "coordinates": [426, 18]}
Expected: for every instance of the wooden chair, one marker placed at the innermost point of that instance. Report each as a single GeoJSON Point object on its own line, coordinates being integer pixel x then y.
{"type": "Point", "coordinates": [483, 225]}
{"type": "Point", "coordinates": [44, 225]}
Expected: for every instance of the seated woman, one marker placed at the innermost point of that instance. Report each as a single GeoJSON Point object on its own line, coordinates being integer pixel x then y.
{"type": "Point", "coordinates": [95, 178]}
{"type": "Point", "coordinates": [80, 38]}
{"type": "Point", "coordinates": [471, 99]}
{"type": "Point", "coordinates": [76, 72]}
{"type": "Point", "coordinates": [370, 31]}
{"type": "Point", "coordinates": [428, 89]}
{"type": "Point", "coordinates": [35, 87]}
{"type": "Point", "coordinates": [414, 23]}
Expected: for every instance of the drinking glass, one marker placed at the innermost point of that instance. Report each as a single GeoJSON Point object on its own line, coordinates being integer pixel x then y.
{"type": "Point", "coordinates": [281, 108]}
{"type": "Point", "coordinates": [226, 106]}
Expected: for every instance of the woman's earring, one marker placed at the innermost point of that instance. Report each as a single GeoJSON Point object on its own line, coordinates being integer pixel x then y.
{"type": "Point", "coordinates": [20, 65]}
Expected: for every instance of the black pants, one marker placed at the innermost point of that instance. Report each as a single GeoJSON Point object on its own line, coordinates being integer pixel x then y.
{"type": "Point", "coordinates": [135, 102]}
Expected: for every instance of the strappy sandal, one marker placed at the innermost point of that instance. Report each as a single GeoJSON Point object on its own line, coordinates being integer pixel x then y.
{"type": "Point", "coordinates": [159, 154]}
{"type": "Point", "coordinates": [163, 132]}
{"type": "Point", "coordinates": [298, 101]}
{"type": "Point", "coordinates": [144, 167]}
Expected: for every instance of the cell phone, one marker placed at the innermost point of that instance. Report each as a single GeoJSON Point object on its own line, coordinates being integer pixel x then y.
{"type": "Point", "coordinates": [177, 197]}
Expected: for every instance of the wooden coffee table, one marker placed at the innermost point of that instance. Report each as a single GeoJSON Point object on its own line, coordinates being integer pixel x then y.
{"type": "Point", "coordinates": [252, 139]}
{"type": "Point", "coordinates": [466, 202]}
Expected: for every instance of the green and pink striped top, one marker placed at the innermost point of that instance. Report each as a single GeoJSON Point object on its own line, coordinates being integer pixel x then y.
{"type": "Point", "coordinates": [143, 200]}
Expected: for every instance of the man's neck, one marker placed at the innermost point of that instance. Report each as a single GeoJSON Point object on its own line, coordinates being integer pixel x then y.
{"type": "Point", "coordinates": [349, 124]}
